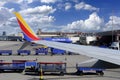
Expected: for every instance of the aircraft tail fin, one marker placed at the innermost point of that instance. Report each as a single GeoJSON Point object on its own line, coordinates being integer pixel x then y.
{"type": "Point", "coordinates": [29, 35]}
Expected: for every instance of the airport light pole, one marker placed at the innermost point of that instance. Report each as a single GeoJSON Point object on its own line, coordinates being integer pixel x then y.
{"type": "Point", "coordinates": [112, 27]}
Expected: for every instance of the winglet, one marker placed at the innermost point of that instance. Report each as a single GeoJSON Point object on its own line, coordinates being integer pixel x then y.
{"type": "Point", "coordinates": [29, 35]}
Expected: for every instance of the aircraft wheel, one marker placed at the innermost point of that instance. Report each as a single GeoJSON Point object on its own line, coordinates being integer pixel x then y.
{"type": "Point", "coordinates": [100, 73]}
{"type": "Point", "coordinates": [62, 73]}
{"type": "Point", "coordinates": [79, 73]}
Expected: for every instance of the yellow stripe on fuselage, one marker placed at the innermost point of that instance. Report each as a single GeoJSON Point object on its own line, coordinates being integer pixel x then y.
{"type": "Point", "coordinates": [24, 23]}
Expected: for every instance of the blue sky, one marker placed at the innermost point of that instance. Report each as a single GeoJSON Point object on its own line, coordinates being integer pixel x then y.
{"type": "Point", "coordinates": [61, 15]}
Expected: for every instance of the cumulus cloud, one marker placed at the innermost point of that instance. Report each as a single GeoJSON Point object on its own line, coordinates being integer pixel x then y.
{"type": "Point", "coordinates": [39, 17]}
{"type": "Point", "coordinates": [7, 21]}
{"type": "Point", "coordinates": [5, 14]}
{"type": "Point", "coordinates": [85, 6]}
{"type": "Point", "coordinates": [112, 24]}
{"type": "Point", "coordinates": [93, 23]}
{"type": "Point", "coordinates": [2, 3]}
{"type": "Point", "coordinates": [48, 1]}
{"type": "Point", "coordinates": [39, 10]}
{"type": "Point", "coordinates": [25, 1]}
{"type": "Point", "coordinates": [18, 1]}
{"type": "Point", "coordinates": [68, 6]}
{"type": "Point", "coordinates": [76, 1]}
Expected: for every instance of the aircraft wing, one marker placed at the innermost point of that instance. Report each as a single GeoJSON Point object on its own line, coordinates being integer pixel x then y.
{"type": "Point", "coordinates": [109, 55]}
{"type": "Point", "coordinates": [112, 56]}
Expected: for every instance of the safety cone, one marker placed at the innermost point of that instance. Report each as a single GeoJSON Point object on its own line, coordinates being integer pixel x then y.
{"type": "Point", "coordinates": [23, 72]}
{"type": "Point", "coordinates": [41, 74]}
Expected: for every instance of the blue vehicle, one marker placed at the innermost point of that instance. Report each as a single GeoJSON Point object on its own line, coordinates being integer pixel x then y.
{"type": "Point", "coordinates": [89, 67]}
{"type": "Point", "coordinates": [5, 52]}
{"type": "Point", "coordinates": [41, 51]}
{"type": "Point", "coordinates": [57, 51]}
{"type": "Point", "coordinates": [58, 39]}
{"type": "Point", "coordinates": [31, 66]}
{"type": "Point", "coordinates": [82, 70]}
{"type": "Point", "coordinates": [23, 52]}
{"type": "Point", "coordinates": [11, 66]}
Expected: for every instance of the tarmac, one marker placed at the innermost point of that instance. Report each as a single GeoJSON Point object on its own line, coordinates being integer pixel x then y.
{"type": "Point", "coordinates": [71, 60]}
{"type": "Point", "coordinates": [109, 75]}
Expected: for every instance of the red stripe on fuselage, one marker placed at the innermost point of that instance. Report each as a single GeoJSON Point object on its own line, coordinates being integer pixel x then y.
{"type": "Point", "coordinates": [27, 32]}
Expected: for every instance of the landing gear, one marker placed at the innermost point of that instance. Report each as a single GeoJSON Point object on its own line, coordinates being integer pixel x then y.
{"type": "Point", "coordinates": [79, 73]}
{"type": "Point", "coordinates": [100, 73]}
{"type": "Point", "coordinates": [62, 73]}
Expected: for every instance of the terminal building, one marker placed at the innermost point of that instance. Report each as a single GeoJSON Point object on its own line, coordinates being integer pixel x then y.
{"type": "Point", "coordinates": [57, 34]}
{"type": "Point", "coordinates": [101, 38]}
{"type": "Point", "coordinates": [109, 36]}
{"type": "Point", "coordinates": [5, 37]}
{"type": "Point", "coordinates": [10, 38]}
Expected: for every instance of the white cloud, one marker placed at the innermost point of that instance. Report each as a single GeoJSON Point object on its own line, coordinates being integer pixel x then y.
{"type": "Point", "coordinates": [7, 21]}
{"type": "Point", "coordinates": [93, 23]}
{"type": "Point", "coordinates": [67, 6]}
{"type": "Point", "coordinates": [60, 6]}
{"type": "Point", "coordinates": [25, 1]}
{"type": "Point", "coordinates": [76, 1]}
{"type": "Point", "coordinates": [85, 6]}
{"type": "Point", "coordinates": [5, 14]}
{"type": "Point", "coordinates": [48, 1]}
{"type": "Point", "coordinates": [39, 17]}
{"type": "Point", "coordinates": [112, 24]}
{"type": "Point", "coordinates": [2, 3]}
{"type": "Point", "coordinates": [39, 10]}
{"type": "Point", "coordinates": [23, 4]}
{"type": "Point", "coordinates": [18, 1]}
{"type": "Point", "coordinates": [47, 19]}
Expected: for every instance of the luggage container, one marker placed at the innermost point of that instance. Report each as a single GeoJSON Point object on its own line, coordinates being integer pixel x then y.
{"type": "Point", "coordinates": [23, 52]}
{"type": "Point", "coordinates": [55, 51]}
{"type": "Point", "coordinates": [5, 52]}
{"type": "Point", "coordinates": [53, 67]}
{"type": "Point", "coordinates": [82, 70]}
{"type": "Point", "coordinates": [89, 67]}
{"type": "Point", "coordinates": [9, 66]}
{"type": "Point", "coordinates": [41, 51]}
{"type": "Point", "coordinates": [15, 65]}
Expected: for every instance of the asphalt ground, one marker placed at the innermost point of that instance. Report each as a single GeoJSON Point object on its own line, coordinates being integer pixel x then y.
{"type": "Point", "coordinates": [71, 60]}
{"type": "Point", "coordinates": [109, 75]}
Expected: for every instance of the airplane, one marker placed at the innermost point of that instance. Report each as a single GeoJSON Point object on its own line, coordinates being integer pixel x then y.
{"type": "Point", "coordinates": [102, 56]}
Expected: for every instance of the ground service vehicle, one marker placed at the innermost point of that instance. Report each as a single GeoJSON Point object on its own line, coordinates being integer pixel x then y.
{"type": "Point", "coordinates": [5, 52]}
{"type": "Point", "coordinates": [51, 67]}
